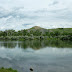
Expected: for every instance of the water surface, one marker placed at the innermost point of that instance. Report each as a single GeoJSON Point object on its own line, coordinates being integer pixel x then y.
{"type": "Point", "coordinates": [42, 56]}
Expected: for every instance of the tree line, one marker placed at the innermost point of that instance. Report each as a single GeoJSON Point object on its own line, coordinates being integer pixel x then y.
{"type": "Point", "coordinates": [51, 32]}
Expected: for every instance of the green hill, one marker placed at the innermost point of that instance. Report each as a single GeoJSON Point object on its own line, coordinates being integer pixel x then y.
{"type": "Point", "coordinates": [61, 33]}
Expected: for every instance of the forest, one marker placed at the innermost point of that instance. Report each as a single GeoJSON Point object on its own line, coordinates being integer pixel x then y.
{"type": "Point", "coordinates": [37, 33]}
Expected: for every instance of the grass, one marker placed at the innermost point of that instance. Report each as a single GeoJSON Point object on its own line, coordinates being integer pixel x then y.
{"type": "Point", "coordinates": [7, 70]}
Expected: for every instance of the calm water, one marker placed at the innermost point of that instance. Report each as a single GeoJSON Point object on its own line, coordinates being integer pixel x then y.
{"type": "Point", "coordinates": [42, 56]}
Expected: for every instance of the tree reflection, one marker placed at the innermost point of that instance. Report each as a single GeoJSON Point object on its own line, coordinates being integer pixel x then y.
{"type": "Point", "coordinates": [36, 44]}
{"type": "Point", "coordinates": [8, 44]}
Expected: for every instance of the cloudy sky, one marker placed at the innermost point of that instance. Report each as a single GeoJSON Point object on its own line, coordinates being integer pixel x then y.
{"type": "Point", "coordinates": [24, 14]}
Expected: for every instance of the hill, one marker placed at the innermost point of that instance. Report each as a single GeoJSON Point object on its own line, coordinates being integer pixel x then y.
{"type": "Point", "coordinates": [36, 27]}
{"type": "Point", "coordinates": [61, 33]}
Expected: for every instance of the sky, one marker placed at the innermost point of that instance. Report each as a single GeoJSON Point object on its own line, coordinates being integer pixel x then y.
{"type": "Point", "coordinates": [24, 14]}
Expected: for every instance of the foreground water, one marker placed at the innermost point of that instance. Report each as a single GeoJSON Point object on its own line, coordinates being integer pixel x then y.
{"type": "Point", "coordinates": [42, 56]}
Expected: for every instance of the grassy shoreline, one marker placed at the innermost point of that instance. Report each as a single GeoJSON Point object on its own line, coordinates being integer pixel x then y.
{"type": "Point", "coordinates": [22, 38]}
{"type": "Point", "coordinates": [7, 70]}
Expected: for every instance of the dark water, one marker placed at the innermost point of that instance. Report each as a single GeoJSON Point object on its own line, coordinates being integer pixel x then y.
{"type": "Point", "coordinates": [42, 56]}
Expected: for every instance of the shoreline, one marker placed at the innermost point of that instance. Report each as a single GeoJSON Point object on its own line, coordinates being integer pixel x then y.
{"type": "Point", "coordinates": [7, 70]}
{"type": "Point", "coordinates": [21, 38]}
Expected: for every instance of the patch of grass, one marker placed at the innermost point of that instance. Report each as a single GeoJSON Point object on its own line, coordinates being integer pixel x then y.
{"type": "Point", "coordinates": [7, 70]}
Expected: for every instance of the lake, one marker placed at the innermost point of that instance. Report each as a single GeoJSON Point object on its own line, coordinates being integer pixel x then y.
{"type": "Point", "coordinates": [41, 55]}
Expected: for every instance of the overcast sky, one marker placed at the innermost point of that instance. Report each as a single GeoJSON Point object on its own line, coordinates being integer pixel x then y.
{"type": "Point", "coordinates": [23, 14]}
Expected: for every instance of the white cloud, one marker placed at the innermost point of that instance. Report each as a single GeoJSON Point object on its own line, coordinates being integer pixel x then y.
{"type": "Point", "coordinates": [20, 14]}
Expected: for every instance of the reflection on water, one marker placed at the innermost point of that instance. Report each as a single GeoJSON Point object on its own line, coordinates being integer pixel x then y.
{"type": "Point", "coordinates": [42, 56]}
{"type": "Point", "coordinates": [36, 44]}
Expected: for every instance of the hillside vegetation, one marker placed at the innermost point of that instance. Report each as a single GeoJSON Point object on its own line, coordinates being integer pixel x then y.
{"type": "Point", "coordinates": [62, 33]}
